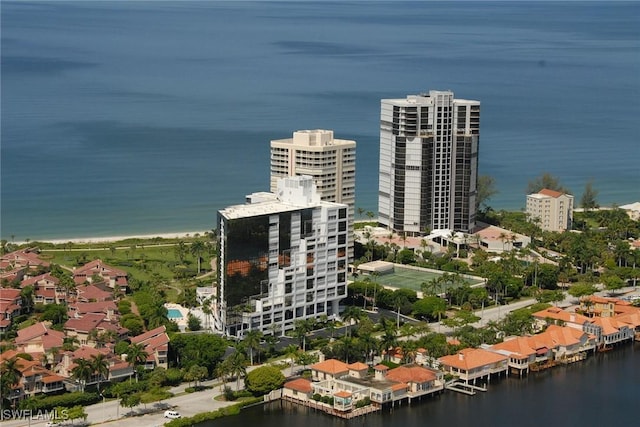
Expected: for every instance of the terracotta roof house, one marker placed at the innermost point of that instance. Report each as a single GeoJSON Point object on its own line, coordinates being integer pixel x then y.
{"type": "Point", "coordinates": [46, 289]}
{"type": "Point", "coordinates": [118, 368]}
{"type": "Point", "coordinates": [34, 378]}
{"type": "Point", "coordinates": [416, 378]}
{"type": "Point", "coordinates": [613, 331]}
{"type": "Point", "coordinates": [633, 320]}
{"type": "Point", "coordinates": [23, 258]}
{"type": "Point", "coordinates": [299, 389]}
{"type": "Point", "coordinates": [156, 344]}
{"type": "Point", "coordinates": [473, 363]}
{"type": "Point", "coordinates": [555, 315]}
{"type": "Point", "coordinates": [10, 306]}
{"type": "Point", "coordinates": [329, 369]}
{"type": "Point", "coordinates": [114, 277]}
{"type": "Point", "coordinates": [496, 239]}
{"type": "Point", "coordinates": [82, 327]}
{"type": "Point", "coordinates": [522, 352]}
{"type": "Point", "coordinates": [39, 339]}
{"type": "Point", "coordinates": [566, 342]}
{"type": "Point", "coordinates": [108, 308]}
{"type": "Point", "coordinates": [92, 293]}
{"type": "Point", "coordinates": [348, 384]}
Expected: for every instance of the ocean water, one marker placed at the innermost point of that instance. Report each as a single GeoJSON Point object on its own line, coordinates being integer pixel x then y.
{"type": "Point", "coordinates": [147, 117]}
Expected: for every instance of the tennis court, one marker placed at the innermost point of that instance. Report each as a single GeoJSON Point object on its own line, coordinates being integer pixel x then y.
{"type": "Point", "coordinates": [409, 278]}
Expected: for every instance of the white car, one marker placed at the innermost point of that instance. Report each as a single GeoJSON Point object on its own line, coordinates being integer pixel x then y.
{"type": "Point", "coordinates": [171, 414]}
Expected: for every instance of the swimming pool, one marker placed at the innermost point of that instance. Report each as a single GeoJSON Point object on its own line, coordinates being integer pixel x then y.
{"type": "Point", "coordinates": [174, 313]}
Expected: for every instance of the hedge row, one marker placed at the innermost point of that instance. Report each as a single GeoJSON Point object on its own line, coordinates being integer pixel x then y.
{"type": "Point", "coordinates": [44, 403]}
{"type": "Point", "coordinates": [212, 415]}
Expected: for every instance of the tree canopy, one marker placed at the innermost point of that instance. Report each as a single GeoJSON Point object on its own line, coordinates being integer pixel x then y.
{"type": "Point", "coordinates": [546, 180]}
{"type": "Point", "coordinates": [264, 379]}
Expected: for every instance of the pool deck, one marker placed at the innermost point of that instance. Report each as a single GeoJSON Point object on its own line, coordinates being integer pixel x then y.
{"type": "Point", "coordinates": [182, 322]}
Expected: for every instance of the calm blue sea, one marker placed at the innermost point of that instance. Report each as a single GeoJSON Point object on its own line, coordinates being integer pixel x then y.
{"type": "Point", "coordinates": [148, 117]}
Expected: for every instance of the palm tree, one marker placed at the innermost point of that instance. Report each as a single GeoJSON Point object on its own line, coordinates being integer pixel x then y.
{"type": "Point", "coordinates": [136, 354]}
{"type": "Point", "coordinates": [9, 376]}
{"type": "Point", "coordinates": [369, 345]}
{"type": "Point", "coordinates": [302, 328]}
{"type": "Point", "coordinates": [351, 313]}
{"type": "Point", "coordinates": [82, 372]}
{"type": "Point", "coordinates": [197, 249]}
{"type": "Point", "coordinates": [100, 366]}
{"type": "Point", "coordinates": [206, 310]}
{"type": "Point", "coordinates": [291, 352]}
{"type": "Point", "coordinates": [237, 365]}
{"type": "Point", "coordinates": [252, 341]}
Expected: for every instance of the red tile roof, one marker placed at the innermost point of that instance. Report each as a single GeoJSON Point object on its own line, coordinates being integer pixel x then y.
{"type": "Point", "coordinates": [471, 358]}
{"type": "Point", "coordinates": [300, 384]}
{"type": "Point", "coordinates": [550, 193]}
{"type": "Point", "coordinates": [331, 366]}
{"type": "Point", "coordinates": [411, 374]}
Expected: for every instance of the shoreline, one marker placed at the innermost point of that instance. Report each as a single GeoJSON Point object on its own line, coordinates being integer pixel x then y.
{"type": "Point", "coordinates": [111, 239]}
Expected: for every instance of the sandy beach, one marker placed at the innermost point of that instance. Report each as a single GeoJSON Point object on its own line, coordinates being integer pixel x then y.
{"type": "Point", "coordinates": [109, 239]}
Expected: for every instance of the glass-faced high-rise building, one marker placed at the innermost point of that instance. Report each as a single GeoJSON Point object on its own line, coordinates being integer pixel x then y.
{"type": "Point", "coordinates": [428, 163]}
{"type": "Point", "coordinates": [283, 257]}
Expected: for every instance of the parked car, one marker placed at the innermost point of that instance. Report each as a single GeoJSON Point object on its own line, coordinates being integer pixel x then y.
{"type": "Point", "coordinates": [171, 414]}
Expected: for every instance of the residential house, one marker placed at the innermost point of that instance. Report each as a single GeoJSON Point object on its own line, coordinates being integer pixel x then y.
{"type": "Point", "coordinates": [39, 339]}
{"type": "Point", "coordinates": [348, 384]}
{"type": "Point", "coordinates": [34, 378]}
{"type": "Point", "coordinates": [82, 328]}
{"type": "Point", "coordinates": [558, 316]}
{"type": "Point", "coordinates": [299, 389]}
{"type": "Point", "coordinates": [567, 342]}
{"type": "Point", "coordinates": [92, 293]}
{"type": "Point", "coordinates": [100, 272]}
{"type": "Point", "coordinates": [156, 345]}
{"type": "Point", "coordinates": [471, 364]}
{"type": "Point", "coordinates": [22, 259]}
{"type": "Point", "coordinates": [496, 239]}
{"type": "Point", "coordinates": [329, 369]}
{"type": "Point", "coordinates": [10, 307]}
{"type": "Point", "coordinates": [613, 331]}
{"type": "Point", "coordinates": [118, 368]}
{"type": "Point", "coordinates": [46, 289]}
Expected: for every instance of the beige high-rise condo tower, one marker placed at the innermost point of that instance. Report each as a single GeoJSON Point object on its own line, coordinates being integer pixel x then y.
{"type": "Point", "coordinates": [316, 153]}
{"type": "Point", "coordinates": [428, 163]}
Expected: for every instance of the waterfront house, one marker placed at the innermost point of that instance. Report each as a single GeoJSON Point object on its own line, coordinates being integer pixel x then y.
{"type": "Point", "coordinates": [633, 320]}
{"type": "Point", "coordinates": [329, 369]}
{"type": "Point", "coordinates": [299, 389]}
{"type": "Point", "coordinates": [568, 344]}
{"type": "Point", "coordinates": [560, 317]}
{"type": "Point", "coordinates": [613, 331]}
{"type": "Point", "coordinates": [522, 353]}
{"type": "Point", "coordinates": [346, 385]}
{"type": "Point", "coordinates": [471, 364]}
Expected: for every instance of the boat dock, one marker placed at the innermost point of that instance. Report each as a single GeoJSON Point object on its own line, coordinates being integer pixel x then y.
{"type": "Point", "coordinates": [465, 388]}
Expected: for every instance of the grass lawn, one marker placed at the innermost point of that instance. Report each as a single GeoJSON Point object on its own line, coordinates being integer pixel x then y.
{"type": "Point", "coordinates": [157, 263]}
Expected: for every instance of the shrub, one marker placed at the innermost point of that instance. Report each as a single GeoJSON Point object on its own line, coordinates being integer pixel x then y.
{"type": "Point", "coordinates": [43, 403]}
{"type": "Point", "coordinates": [228, 393]}
{"type": "Point", "coordinates": [317, 397]}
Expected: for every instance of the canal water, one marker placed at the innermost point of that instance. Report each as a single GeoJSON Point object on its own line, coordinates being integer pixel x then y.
{"type": "Point", "coordinates": [603, 390]}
